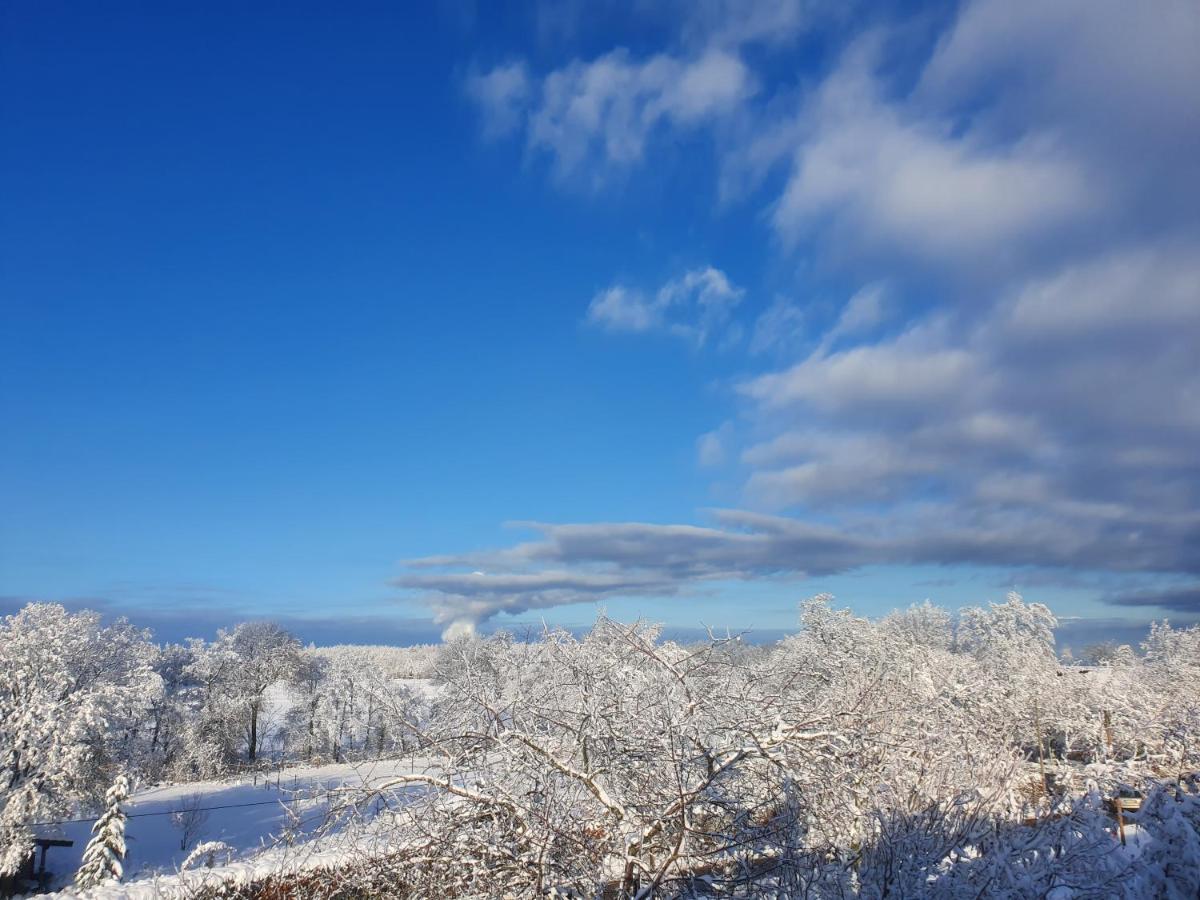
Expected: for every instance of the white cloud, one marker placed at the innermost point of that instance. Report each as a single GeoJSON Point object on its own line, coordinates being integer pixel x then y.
{"type": "Point", "coordinates": [605, 110]}
{"type": "Point", "coordinates": [913, 371]}
{"type": "Point", "coordinates": [1072, 401]}
{"type": "Point", "coordinates": [782, 326]}
{"type": "Point", "coordinates": [597, 115]}
{"type": "Point", "coordinates": [733, 23]}
{"type": "Point", "coordinates": [585, 563]}
{"type": "Point", "coordinates": [1033, 129]}
{"type": "Point", "coordinates": [619, 308]}
{"type": "Point", "coordinates": [1127, 292]}
{"type": "Point", "coordinates": [705, 298]}
{"type": "Point", "coordinates": [501, 95]}
{"type": "Point", "coordinates": [863, 311]}
{"type": "Point", "coordinates": [890, 179]}
{"type": "Point", "coordinates": [1079, 67]}
{"type": "Point", "coordinates": [462, 600]}
{"type": "Point", "coordinates": [835, 467]}
{"type": "Point", "coordinates": [695, 306]}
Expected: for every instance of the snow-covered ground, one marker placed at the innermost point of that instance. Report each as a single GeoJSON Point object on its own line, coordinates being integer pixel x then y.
{"type": "Point", "coordinates": [248, 814]}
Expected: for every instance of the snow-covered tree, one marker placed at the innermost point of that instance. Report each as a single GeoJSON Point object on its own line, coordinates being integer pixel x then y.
{"type": "Point", "coordinates": [68, 687]}
{"type": "Point", "coordinates": [1100, 653]}
{"type": "Point", "coordinates": [166, 735]}
{"type": "Point", "coordinates": [308, 681]}
{"type": "Point", "coordinates": [923, 624]}
{"type": "Point", "coordinates": [1171, 695]}
{"type": "Point", "coordinates": [352, 703]}
{"type": "Point", "coordinates": [104, 856]}
{"type": "Point", "coordinates": [236, 671]}
{"type": "Point", "coordinates": [1011, 627]}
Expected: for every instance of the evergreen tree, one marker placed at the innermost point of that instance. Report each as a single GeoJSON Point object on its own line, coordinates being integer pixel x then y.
{"type": "Point", "coordinates": [104, 857]}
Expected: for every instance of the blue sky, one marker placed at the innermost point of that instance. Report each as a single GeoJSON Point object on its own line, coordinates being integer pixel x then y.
{"type": "Point", "coordinates": [383, 320]}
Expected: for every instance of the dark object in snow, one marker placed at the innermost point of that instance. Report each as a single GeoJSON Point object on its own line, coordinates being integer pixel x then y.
{"type": "Point", "coordinates": [33, 871]}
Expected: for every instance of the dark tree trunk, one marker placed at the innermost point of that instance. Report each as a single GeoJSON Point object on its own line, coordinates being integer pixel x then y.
{"type": "Point", "coordinates": [253, 731]}
{"type": "Point", "coordinates": [312, 717]}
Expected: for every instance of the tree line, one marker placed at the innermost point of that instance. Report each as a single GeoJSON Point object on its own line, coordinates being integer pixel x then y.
{"type": "Point", "coordinates": [82, 703]}
{"type": "Point", "coordinates": [920, 754]}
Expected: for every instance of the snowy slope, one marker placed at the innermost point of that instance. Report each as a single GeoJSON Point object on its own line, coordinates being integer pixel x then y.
{"type": "Point", "coordinates": [246, 815]}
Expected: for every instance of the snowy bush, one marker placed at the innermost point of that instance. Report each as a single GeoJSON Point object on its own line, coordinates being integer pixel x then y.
{"type": "Point", "coordinates": [207, 854]}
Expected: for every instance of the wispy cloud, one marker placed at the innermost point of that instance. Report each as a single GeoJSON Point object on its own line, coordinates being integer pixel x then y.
{"type": "Point", "coordinates": [695, 306]}
{"type": "Point", "coordinates": [501, 95]}
{"type": "Point", "coordinates": [597, 116]}
{"type": "Point", "coordinates": [576, 563]}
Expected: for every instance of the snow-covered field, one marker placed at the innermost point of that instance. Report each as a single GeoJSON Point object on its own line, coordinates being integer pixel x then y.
{"type": "Point", "coordinates": [249, 814]}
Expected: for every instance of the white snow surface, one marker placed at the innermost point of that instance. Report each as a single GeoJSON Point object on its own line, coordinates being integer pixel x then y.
{"type": "Point", "coordinates": [252, 813]}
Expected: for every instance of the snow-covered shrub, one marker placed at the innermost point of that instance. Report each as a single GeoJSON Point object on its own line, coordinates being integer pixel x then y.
{"type": "Point", "coordinates": [207, 854]}
{"type": "Point", "coordinates": [619, 758]}
{"type": "Point", "coordinates": [1168, 844]}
